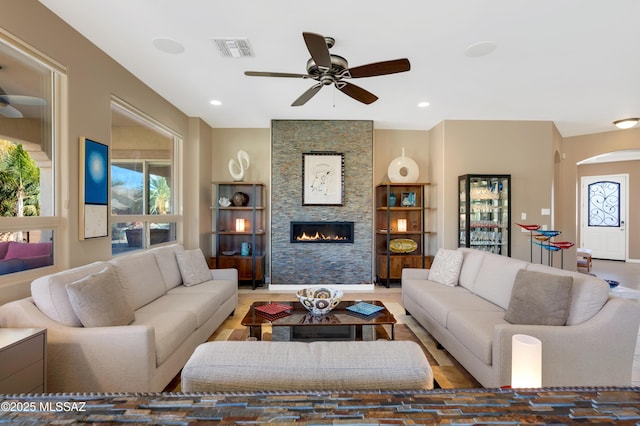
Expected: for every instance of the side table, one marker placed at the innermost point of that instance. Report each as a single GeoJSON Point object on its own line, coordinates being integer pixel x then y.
{"type": "Point", "coordinates": [23, 360]}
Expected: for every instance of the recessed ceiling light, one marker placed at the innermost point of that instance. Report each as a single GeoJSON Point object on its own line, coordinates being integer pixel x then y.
{"type": "Point", "coordinates": [215, 102]}
{"type": "Point", "coordinates": [626, 123]}
{"type": "Point", "coordinates": [168, 45]}
{"type": "Point", "coordinates": [481, 48]}
{"type": "Point", "coordinates": [423, 104]}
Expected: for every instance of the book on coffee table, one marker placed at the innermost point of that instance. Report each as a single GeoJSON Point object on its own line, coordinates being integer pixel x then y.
{"type": "Point", "coordinates": [364, 308]}
{"type": "Point", "coordinates": [273, 308]}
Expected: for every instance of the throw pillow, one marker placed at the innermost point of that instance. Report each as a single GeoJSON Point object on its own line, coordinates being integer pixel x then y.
{"type": "Point", "coordinates": [193, 267]}
{"type": "Point", "coordinates": [445, 268]}
{"type": "Point", "coordinates": [98, 300]}
{"type": "Point", "coordinates": [538, 298]}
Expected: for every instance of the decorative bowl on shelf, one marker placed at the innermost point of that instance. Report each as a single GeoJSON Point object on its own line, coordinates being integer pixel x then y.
{"type": "Point", "coordinates": [229, 252]}
{"type": "Point", "coordinates": [224, 202]}
{"type": "Point", "coordinates": [319, 300]}
{"type": "Point", "coordinates": [240, 199]}
{"type": "Point", "coordinates": [402, 245]}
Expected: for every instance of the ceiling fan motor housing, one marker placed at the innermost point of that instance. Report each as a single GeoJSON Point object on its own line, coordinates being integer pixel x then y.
{"type": "Point", "coordinates": [338, 65]}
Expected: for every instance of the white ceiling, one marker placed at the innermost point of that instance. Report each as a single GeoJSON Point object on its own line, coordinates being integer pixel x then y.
{"type": "Point", "coordinates": [573, 62]}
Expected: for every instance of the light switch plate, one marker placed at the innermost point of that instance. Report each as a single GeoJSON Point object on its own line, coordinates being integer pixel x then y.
{"type": "Point", "coordinates": [545, 212]}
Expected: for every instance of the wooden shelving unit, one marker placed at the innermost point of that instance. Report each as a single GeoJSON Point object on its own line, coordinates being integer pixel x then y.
{"type": "Point", "coordinates": [229, 237]}
{"type": "Point", "coordinates": [400, 244]}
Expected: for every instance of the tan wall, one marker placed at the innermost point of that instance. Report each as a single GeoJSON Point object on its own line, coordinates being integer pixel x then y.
{"type": "Point", "coordinates": [523, 149]}
{"type": "Point", "coordinates": [92, 79]}
{"type": "Point", "coordinates": [579, 148]}
{"type": "Point", "coordinates": [388, 144]}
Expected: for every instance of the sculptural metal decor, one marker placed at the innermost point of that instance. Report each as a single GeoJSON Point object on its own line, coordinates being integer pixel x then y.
{"type": "Point", "coordinates": [238, 168]}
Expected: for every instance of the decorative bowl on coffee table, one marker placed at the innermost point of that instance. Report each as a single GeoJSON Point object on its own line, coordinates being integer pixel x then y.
{"type": "Point", "coordinates": [319, 300]}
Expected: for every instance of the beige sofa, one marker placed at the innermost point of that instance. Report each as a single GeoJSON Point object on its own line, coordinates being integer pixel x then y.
{"type": "Point", "coordinates": [168, 320]}
{"type": "Point", "coordinates": [594, 347]}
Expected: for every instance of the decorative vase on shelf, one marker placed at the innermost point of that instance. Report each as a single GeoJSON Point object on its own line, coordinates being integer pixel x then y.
{"type": "Point", "coordinates": [392, 200]}
{"type": "Point", "coordinates": [240, 199]}
{"type": "Point", "coordinates": [403, 170]}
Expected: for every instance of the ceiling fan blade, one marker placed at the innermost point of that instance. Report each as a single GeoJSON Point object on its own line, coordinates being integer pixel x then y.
{"type": "Point", "coordinates": [275, 74]}
{"type": "Point", "coordinates": [24, 100]}
{"type": "Point", "coordinates": [357, 93]}
{"type": "Point", "coordinates": [10, 112]}
{"type": "Point", "coordinates": [380, 68]}
{"type": "Point", "coordinates": [307, 95]}
{"type": "Point", "coordinates": [317, 46]}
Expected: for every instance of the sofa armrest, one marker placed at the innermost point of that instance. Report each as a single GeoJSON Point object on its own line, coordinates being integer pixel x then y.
{"type": "Point", "coordinates": [89, 359]}
{"type": "Point", "coordinates": [597, 352]}
{"type": "Point", "coordinates": [415, 274]}
{"type": "Point", "coordinates": [225, 274]}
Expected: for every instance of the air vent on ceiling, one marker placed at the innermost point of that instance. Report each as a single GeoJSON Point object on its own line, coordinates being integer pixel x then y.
{"type": "Point", "coordinates": [233, 47]}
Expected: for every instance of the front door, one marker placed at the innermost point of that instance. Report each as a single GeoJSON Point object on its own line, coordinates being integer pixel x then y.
{"type": "Point", "coordinates": [603, 216]}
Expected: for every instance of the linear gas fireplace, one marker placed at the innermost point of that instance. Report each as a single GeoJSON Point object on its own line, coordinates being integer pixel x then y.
{"type": "Point", "coordinates": [322, 232]}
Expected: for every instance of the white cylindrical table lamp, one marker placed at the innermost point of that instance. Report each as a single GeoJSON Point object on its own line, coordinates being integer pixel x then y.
{"type": "Point", "coordinates": [402, 225]}
{"type": "Point", "coordinates": [526, 361]}
{"type": "Point", "coordinates": [240, 225]}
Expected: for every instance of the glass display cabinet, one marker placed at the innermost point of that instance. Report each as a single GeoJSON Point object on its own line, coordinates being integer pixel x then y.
{"type": "Point", "coordinates": [484, 213]}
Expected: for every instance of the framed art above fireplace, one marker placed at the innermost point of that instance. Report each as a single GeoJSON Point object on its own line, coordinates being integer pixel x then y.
{"type": "Point", "coordinates": [322, 179]}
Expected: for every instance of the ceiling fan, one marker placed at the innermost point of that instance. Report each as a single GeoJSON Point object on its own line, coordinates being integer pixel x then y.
{"type": "Point", "coordinates": [327, 69]}
{"type": "Point", "coordinates": [6, 102]}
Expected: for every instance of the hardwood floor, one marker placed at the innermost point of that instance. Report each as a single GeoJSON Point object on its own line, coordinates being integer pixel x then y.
{"type": "Point", "coordinates": [626, 273]}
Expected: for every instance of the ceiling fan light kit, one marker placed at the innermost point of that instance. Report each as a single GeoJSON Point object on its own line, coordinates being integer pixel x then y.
{"type": "Point", "coordinates": [626, 123]}
{"type": "Point", "coordinates": [328, 69]}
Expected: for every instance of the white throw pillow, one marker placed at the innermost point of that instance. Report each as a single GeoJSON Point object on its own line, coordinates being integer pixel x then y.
{"type": "Point", "coordinates": [193, 267]}
{"type": "Point", "coordinates": [98, 300]}
{"type": "Point", "coordinates": [445, 268]}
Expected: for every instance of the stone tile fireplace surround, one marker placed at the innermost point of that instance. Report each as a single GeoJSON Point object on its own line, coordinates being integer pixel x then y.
{"type": "Point", "coordinates": [327, 263]}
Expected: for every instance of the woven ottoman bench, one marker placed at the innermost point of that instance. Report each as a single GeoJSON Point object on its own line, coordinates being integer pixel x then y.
{"type": "Point", "coordinates": [249, 366]}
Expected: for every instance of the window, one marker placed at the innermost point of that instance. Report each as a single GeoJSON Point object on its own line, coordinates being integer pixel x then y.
{"type": "Point", "coordinates": [143, 195]}
{"type": "Point", "coordinates": [604, 204]}
{"type": "Point", "coordinates": [28, 216]}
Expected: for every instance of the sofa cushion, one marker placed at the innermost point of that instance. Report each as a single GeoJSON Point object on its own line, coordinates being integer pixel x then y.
{"type": "Point", "coordinates": [471, 262]}
{"type": "Point", "coordinates": [496, 277]}
{"type": "Point", "coordinates": [140, 278]}
{"type": "Point", "coordinates": [539, 299]}
{"type": "Point", "coordinates": [445, 268]}
{"type": "Point", "coordinates": [50, 293]}
{"type": "Point", "coordinates": [588, 293]}
{"type": "Point", "coordinates": [170, 328]}
{"type": "Point", "coordinates": [474, 329]}
{"type": "Point", "coordinates": [221, 289]}
{"type": "Point", "coordinates": [168, 264]}
{"type": "Point", "coordinates": [4, 246]}
{"type": "Point", "coordinates": [439, 301]}
{"type": "Point", "coordinates": [18, 250]}
{"type": "Point", "coordinates": [98, 300]}
{"type": "Point", "coordinates": [201, 305]}
{"type": "Point", "coordinates": [193, 267]}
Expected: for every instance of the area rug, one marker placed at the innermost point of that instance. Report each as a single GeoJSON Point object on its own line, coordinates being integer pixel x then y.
{"type": "Point", "coordinates": [447, 372]}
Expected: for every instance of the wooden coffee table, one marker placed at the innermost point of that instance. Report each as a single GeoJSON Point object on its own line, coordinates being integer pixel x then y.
{"type": "Point", "coordinates": [298, 323]}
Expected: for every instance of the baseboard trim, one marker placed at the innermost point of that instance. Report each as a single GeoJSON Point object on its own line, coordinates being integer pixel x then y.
{"type": "Point", "coordinates": [343, 287]}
